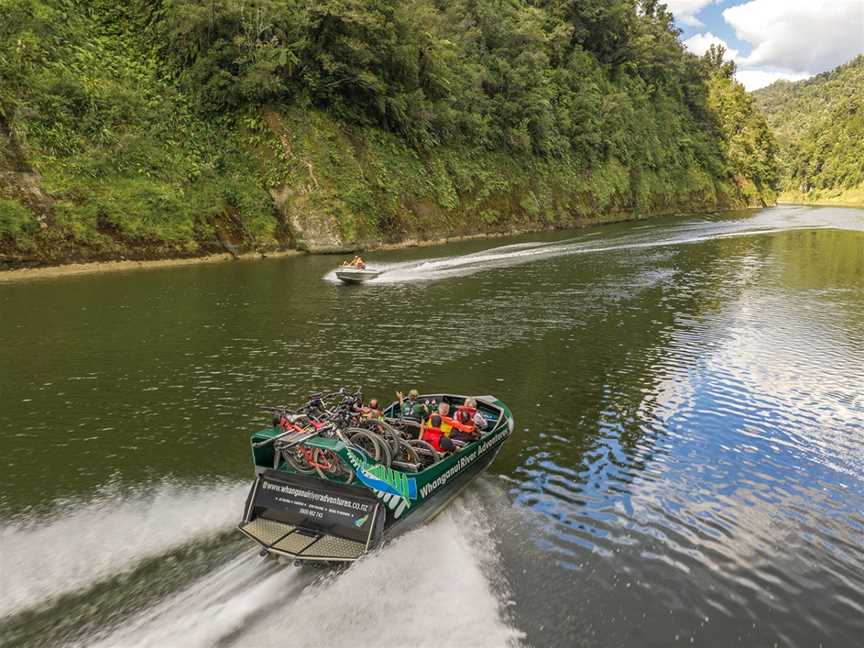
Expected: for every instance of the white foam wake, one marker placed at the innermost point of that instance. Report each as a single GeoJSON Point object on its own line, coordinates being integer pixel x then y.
{"type": "Point", "coordinates": [431, 587]}
{"type": "Point", "coordinates": [83, 544]}
{"type": "Point", "coordinates": [638, 237]}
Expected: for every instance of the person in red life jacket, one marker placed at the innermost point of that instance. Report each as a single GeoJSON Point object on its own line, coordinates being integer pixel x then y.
{"type": "Point", "coordinates": [468, 412]}
{"type": "Point", "coordinates": [453, 428]}
{"type": "Point", "coordinates": [431, 433]}
{"type": "Point", "coordinates": [466, 430]}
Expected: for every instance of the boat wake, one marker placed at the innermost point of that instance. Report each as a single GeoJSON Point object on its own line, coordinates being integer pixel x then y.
{"type": "Point", "coordinates": [638, 237]}
{"type": "Point", "coordinates": [81, 545]}
{"type": "Point", "coordinates": [431, 587]}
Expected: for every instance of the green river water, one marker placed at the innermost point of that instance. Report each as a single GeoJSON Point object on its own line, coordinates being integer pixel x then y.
{"type": "Point", "coordinates": [687, 466]}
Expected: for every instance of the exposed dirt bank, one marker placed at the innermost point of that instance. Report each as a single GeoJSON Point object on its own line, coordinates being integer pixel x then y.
{"type": "Point", "coordinates": [69, 269]}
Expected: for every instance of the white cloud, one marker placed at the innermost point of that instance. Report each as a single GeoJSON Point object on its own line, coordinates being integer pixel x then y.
{"type": "Point", "coordinates": [685, 10]}
{"type": "Point", "coordinates": [755, 79]}
{"type": "Point", "coordinates": [799, 35]}
{"type": "Point", "coordinates": [699, 44]}
{"type": "Point", "coordinates": [752, 79]}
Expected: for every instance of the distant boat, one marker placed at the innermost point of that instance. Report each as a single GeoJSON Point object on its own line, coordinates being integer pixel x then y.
{"type": "Point", "coordinates": [355, 275]}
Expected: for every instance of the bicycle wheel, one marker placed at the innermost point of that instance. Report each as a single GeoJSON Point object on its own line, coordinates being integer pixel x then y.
{"type": "Point", "coordinates": [366, 441]}
{"type": "Point", "coordinates": [372, 444]}
{"type": "Point", "coordinates": [295, 458]}
{"type": "Point", "coordinates": [329, 465]}
{"type": "Point", "coordinates": [407, 454]}
{"type": "Point", "coordinates": [426, 453]}
{"type": "Point", "coordinates": [392, 437]}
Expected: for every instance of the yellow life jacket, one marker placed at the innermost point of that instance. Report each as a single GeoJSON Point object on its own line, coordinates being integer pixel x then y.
{"type": "Point", "coordinates": [446, 427]}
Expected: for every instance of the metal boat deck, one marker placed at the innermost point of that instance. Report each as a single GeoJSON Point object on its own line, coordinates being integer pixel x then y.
{"type": "Point", "coordinates": [294, 542]}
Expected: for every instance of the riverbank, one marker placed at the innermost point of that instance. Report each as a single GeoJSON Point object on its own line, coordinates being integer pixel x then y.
{"type": "Point", "coordinates": [845, 198]}
{"type": "Point", "coordinates": [90, 267]}
{"type": "Point", "coordinates": [72, 269]}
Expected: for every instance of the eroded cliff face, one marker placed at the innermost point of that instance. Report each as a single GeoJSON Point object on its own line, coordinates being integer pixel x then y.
{"type": "Point", "coordinates": [340, 189]}
{"type": "Point", "coordinates": [325, 188]}
{"type": "Point", "coordinates": [20, 186]}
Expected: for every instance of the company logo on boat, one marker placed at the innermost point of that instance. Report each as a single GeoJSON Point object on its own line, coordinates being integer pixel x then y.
{"type": "Point", "coordinates": [463, 463]}
{"type": "Point", "coordinates": [383, 479]}
{"type": "Point", "coordinates": [361, 521]}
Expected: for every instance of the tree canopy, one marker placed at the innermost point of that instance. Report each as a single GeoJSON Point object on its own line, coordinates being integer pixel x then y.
{"type": "Point", "coordinates": [94, 91]}
{"type": "Point", "coordinates": [819, 124]}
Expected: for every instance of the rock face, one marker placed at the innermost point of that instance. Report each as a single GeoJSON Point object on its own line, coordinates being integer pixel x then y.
{"type": "Point", "coordinates": [26, 187]}
{"type": "Point", "coordinates": [18, 180]}
{"type": "Point", "coordinates": [309, 231]}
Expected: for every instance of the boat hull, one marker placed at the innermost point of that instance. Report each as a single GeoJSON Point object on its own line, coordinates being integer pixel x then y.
{"type": "Point", "coordinates": [355, 276]}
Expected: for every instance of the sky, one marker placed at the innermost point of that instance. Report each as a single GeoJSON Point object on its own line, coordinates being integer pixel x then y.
{"type": "Point", "coordinates": [774, 39]}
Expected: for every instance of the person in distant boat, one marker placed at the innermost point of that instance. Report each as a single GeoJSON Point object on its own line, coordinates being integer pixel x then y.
{"type": "Point", "coordinates": [356, 262]}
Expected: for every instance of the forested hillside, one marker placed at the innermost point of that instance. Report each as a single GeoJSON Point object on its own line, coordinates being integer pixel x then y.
{"type": "Point", "coordinates": [819, 124]}
{"type": "Point", "coordinates": [177, 127]}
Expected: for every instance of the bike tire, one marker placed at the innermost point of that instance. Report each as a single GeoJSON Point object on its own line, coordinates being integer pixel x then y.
{"type": "Point", "coordinates": [339, 471]}
{"type": "Point", "coordinates": [427, 454]}
{"type": "Point", "coordinates": [297, 462]}
{"type": "Point", "coordinates": [381, 454]}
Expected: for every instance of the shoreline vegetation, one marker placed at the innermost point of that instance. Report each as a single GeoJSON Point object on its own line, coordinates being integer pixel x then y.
{"type": "Point", "coordinates": [10, 275]}
{"type": "Point", "coordinates": [183, 129]}
{"type": "Point", "coordinates": [819, 127]}
{"type": "Point", "coordinates": [853, 197]}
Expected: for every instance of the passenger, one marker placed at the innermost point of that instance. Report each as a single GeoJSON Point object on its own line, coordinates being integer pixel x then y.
{"type": "Point", "coordinates": [464, 417]}
{"type": "Point", "coordinates": [431, 433]}
{"type": "Point", "coordinates": [464, 427]}
{"type": "Point", "coordinates": [373, 410]}
{"type": "Point", "coordinates": [446, 421]}
{"type": "Point", "coordinates": [411, 407]}
{"type": "Point", "coordinates": [412, 412]}
{"type": "Point", "coordinates": [452, 428]}
{"type": "Point", "coordinates": [470, 408]}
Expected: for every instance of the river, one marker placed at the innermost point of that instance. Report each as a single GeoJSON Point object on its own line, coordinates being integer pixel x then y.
{"type": "Point", "coordinates": [687, 466]}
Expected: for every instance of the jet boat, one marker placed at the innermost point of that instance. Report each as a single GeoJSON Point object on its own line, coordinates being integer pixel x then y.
{"type": "Point", "coordinates": [354, 275]}
{"type": "Point", "coordinates": [331, 485]}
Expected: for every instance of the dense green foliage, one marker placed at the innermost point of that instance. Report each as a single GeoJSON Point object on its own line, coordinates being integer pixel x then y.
{"type": "Point", "coordinates": [167, 124]}
{"type": "Point", "coordinates": [126, 159]}
{"type": "Point", "coordinates": [819, 125]}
